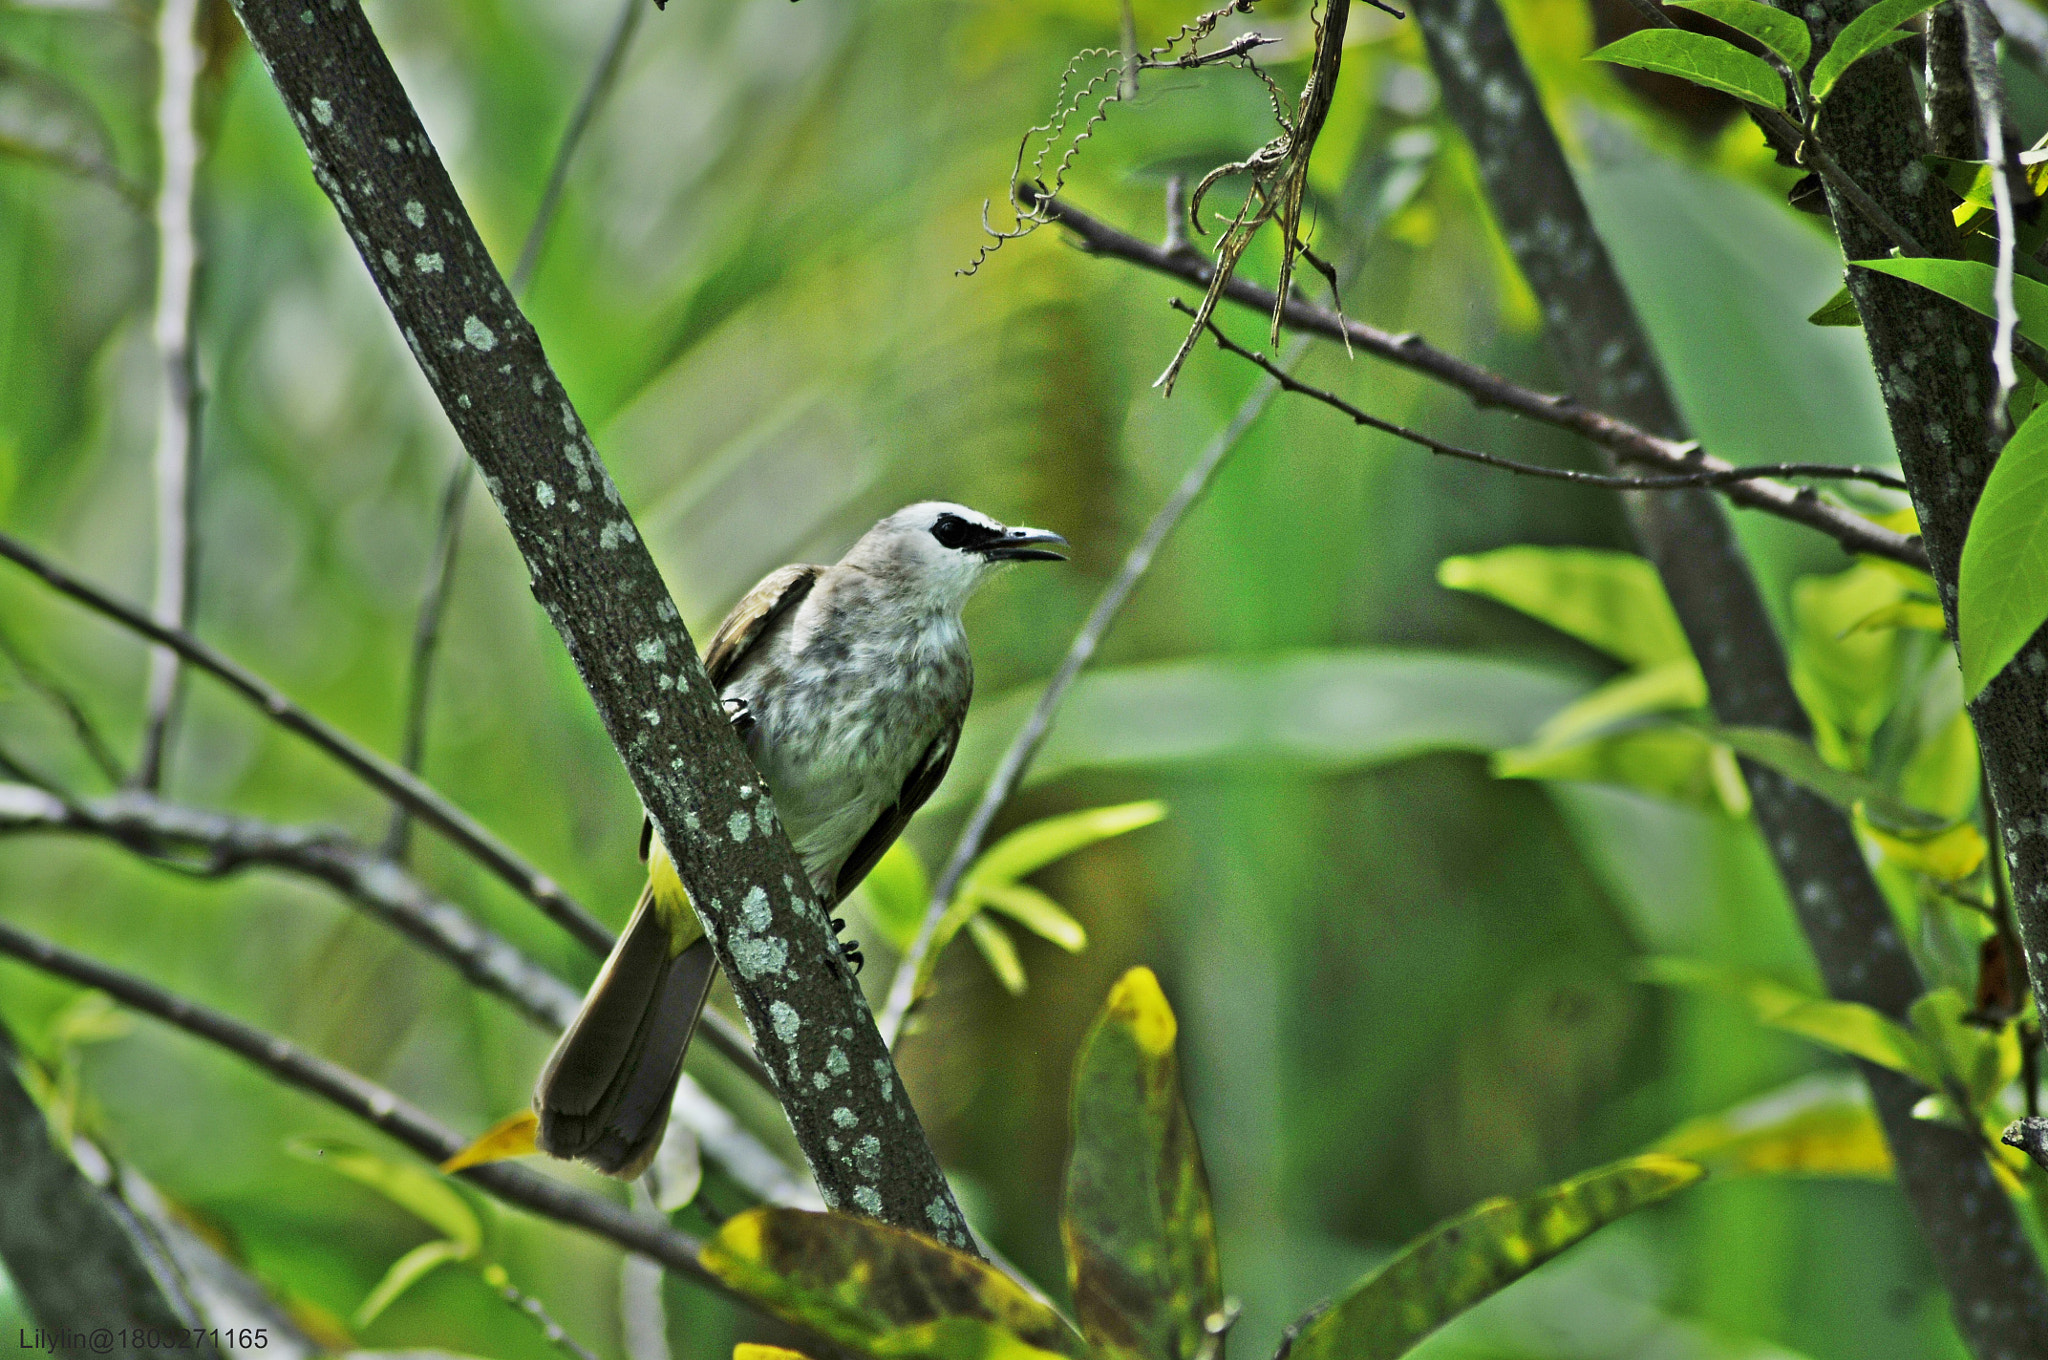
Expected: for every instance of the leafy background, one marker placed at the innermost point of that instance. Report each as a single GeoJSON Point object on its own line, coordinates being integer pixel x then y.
{"type": "Point", "coordinates": [1403, 984]}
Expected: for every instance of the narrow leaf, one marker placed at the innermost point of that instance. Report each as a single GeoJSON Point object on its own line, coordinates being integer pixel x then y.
{"type": "Point", "coordinates": [1845, 1026]}
{"type": "Point", "coordinates": [1922, 615]}
{"type": "Point", "coordinates": [881, 1290]}
{"type": "Point", "coordinates": [2003, 593]}
{"type": "Point", "coordinates": [1969, 282]}
{"type": "Point", "coordinates": [1784, 34]}
{"type": "Point", "coordinates": [750, 1350]}
{"type": "Point", "coordinates": [420, 1193]}
{"type": "Point", "coordinates": [1800, 763]}
{"type": "Point", "coordinates": [1820, 1125]}
{"type": "Point", "coordinates": [1000, 951]}
{"type": "Point", "coordinates": [1868, 32]}
{"type": "Point", "coordinates": [405, 1272]}
{"type": "Point", "coordinates": [1610, 601]}
{"type": "Point", "coordinates": [1703, 60]}
{"type": "Point", "coordinates": [512, 1136]}
{"type": "Point", "coordinates": [1029, 849]}
{"type": "Point", "coordinates": [1949, 856]}
{"type": "Point", "coordinates": [1839, 310]}
{"type": "Point", "coordinates": [1480, 1253]}
{"type": "Point", "coordinates": [1039, 914]}
{"type": "Point", "coordinates": [1138, 1225]}
{"type": "Point", "coordinates": [1673, 686]}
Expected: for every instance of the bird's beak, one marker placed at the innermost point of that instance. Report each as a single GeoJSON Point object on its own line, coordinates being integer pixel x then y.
{"type": "Point", "coordinates": [1025, 545]}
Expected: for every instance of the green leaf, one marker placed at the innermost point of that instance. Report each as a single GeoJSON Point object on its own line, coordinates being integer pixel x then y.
{"type": "Point", "coordinates": [405, 1272]}
{"type": "Point", "coordinates": [1479, 1253]}
{"type": "Point", "coordinates": [1138, 1225]}
{"type": "Point", "coordinates": [1800, 763]}
{"type": "Point", "coordinates": [1871, 31]}
{"type": "Point", "coordinates": [2003, 593]}
{"type": "Point", "coordinates": [897, 892]}
{"type": "Point", "coordinates": [1847, 675]}
{"type": "Point", "coordinates": [1673, 686]}
{"type": "Point", "coordinates": [1821, 1125]}
{"type": "Point", "coordinates": [1672, 760]}
{"type": "Point", "coordinates": [1784, 34]}
{"type": "Point", "coordinates": [1713, 62]}
{"type": "Point", "coordinates": [1970, 282]}
{"type": "Point", "coordinates": [1611, 601]}
{"type": "Point", "coordinates": [419, 1192]}
{"type": "Point", "coordinates": [1839, 310]}
{"type": "Point", "coordinates": [1037, 913]}
{"type": "Point", "coordinates": [1001, 953]}
{"type": "Point", "coordinates": [1845, 1026]}
{"type": "Point", "coordinates": [1327, 711]}
{"type": "Point", "coordinates": [1981, 1061]}
{"type": "Point", "coordinates": [882, 1291]}
{"type": "Point", "coordinates": [1921, 615]}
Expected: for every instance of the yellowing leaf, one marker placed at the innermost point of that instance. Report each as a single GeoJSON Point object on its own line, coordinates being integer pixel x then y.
{"type": "Point", "coordinates": [1610, 601]}
{"type": "Point", "coordinates": [407, 1271]}
{"type": "Point", "coordinates": [1950, 856]}
{"type": "Point", "coordinates": [1924, 615]}
{"type": "Point", "coordinates": [1817, 1126]}
{"type": "Point", "coordinates": [1670, 686]}
{"type": "Point", "coordinates": [512, 1136]}
{"type": "Point", "coordinates": [1671, 760]}
{"type": "Point", "coordinates": [1138, 1225]}
{"type": "Point", "coordinates": [1845, 1026]}
{"type": "Point", "coordinates": [2002, 595]}
{"type": "Point", "coordinates": [1479, 1253]}
{"type": "Point", "coordinates": [882, 1291]}
{"type": "Point", "coordinates": [420, 1193]}
{"type": "Point", "coordinates": [748, 1350]}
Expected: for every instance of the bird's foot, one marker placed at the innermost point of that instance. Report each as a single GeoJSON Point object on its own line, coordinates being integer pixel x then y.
{"type": "Point", "coordinates": [849, 950]}
{"type": "Point", "coordinates": [739, 714]}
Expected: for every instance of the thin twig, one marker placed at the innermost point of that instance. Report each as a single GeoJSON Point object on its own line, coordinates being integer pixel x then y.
{"type": "Point", "coordinates": [556, 1334]}
{"type": "Point", "coordinates": [177, 265]}
{"type": "Point", "coordinates": [1488, 389]}
{"type": "Point", "coordinates": [429, 806]}
{"type": "Point", "coordinates": [1024, 746]}
{"type": "Point", "coordinates": [426, 637]}
{"type": "Point", "coordinates": [1980, 60]}
{"type": "Point", "coordinates": [369, 1102]}
{"type": "Point", "coordinates": [214, 844]}
{"type": "Point", "coordinates": [89, 739]}
{"type": "Point", "coordinates": [1278, 372]}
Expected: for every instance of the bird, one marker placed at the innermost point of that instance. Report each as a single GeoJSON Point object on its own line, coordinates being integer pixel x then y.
{"type": "Point", "coordinates": [847, 684]}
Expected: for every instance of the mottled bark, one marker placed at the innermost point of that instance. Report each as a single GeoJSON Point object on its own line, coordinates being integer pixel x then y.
{"type": "Point", "coordinates": [594, 577]}
{"type": "Point", "coordinates": [1951, 110]}
{"type": "Point", "coordinates": [1994, 1281]}
{"type": "Point", "coordinates": [95, 1283]}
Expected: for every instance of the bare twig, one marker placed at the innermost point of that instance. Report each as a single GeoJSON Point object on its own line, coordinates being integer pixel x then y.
{"type": "Point", "coordinates": [429, 806]}
{"type": "Point", "coordinates": [1681, 481]}
{"type": "Point", "coordinates": [177, 425]}
{"type": "Point", "coordinates": [369, 1102]}
{"type": "Point", "coordinates": [1980, 60]}
{"type": "Point", "coordinates": [555, 1333]}
{"type": "Point", "coordinates": [1009, 771]}
{"type": "Point", "coordinates": [1488, 389]}
{"type": "Point", "coordinates": [82, 726]}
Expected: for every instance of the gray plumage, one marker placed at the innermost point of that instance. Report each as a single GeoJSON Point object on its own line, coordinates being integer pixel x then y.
{"type": "Point", "coordinates": [848, 685]}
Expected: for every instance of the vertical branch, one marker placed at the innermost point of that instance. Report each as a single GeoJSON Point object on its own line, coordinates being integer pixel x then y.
{"type": "Point", "coordinates": [1951, 108]}
{"type": "Point", "coordinates": [177, 264]}
{"type": "Point", "coordinates": [1995, 1283]}
{"type": "Point", "coordinates": [448, 536]}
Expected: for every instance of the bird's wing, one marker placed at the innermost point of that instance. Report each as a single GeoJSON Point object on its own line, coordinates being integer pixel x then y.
{"type": "Point", "coordinates": [923, 780]}
{"type": "Point", "coordinates": [779, 592]}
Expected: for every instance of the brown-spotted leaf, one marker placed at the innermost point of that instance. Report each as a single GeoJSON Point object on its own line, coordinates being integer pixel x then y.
{"type": "Point", "coordinates": [1140, 1234]}
{"type": "Point", "coordinates": [883, 1291]}
{"type": "Point", "coordinates": [1479, 1253]}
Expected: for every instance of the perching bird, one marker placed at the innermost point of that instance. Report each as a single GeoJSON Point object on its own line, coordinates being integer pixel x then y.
{"type": "Point", "coordinates": [847, 685]}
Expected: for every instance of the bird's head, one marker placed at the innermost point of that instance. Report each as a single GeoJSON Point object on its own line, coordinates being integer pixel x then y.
{"type": "Point", "coordinates": [945, 551]}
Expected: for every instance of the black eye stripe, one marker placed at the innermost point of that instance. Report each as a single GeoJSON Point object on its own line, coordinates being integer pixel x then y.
{"type": "Point", "coordinates": [954, 532]}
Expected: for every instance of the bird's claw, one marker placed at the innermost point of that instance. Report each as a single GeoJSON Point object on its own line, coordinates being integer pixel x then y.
{"type": "Point", "coordinates": [849, 950]}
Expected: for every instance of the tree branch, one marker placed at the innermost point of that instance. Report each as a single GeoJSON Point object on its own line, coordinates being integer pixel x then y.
{"type": "Point", "coordinates": [223, 844]}
{"type": "Point", "coordinates": [387, 778]}
{"type": "Point", "coordinates": [594, 577]}
{"type": "Point", "coordinates": [370, 1103]}
{"type": "Point", "coordinates": [1999, 1297]}
{"type": "Point", "coordinates": [177, 421]}
{"type": "Point", "coordinates": [82, 1268]}
{"type": "Point", "coordinates": [1627, 440]}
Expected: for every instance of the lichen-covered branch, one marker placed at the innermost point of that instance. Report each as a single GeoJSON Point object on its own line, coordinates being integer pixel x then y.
{"type": "Point", "coordinates": [1995, 1283]}
{"type": "Point", "coordinates": [78, 1264]}
{"type": "Point", "coordinates": [599, 586]}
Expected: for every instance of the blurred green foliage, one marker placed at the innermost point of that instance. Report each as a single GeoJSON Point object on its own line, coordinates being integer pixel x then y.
{"type": "Point", "coordinates": [1403, 985]}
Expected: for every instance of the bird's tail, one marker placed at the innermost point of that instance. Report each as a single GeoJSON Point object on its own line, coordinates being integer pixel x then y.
{"type": "Point", "coordinates": [605, 1093]}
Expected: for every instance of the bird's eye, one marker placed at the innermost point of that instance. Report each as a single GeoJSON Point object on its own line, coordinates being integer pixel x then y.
{"type": "Point", "coordinates": [951, 531]}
